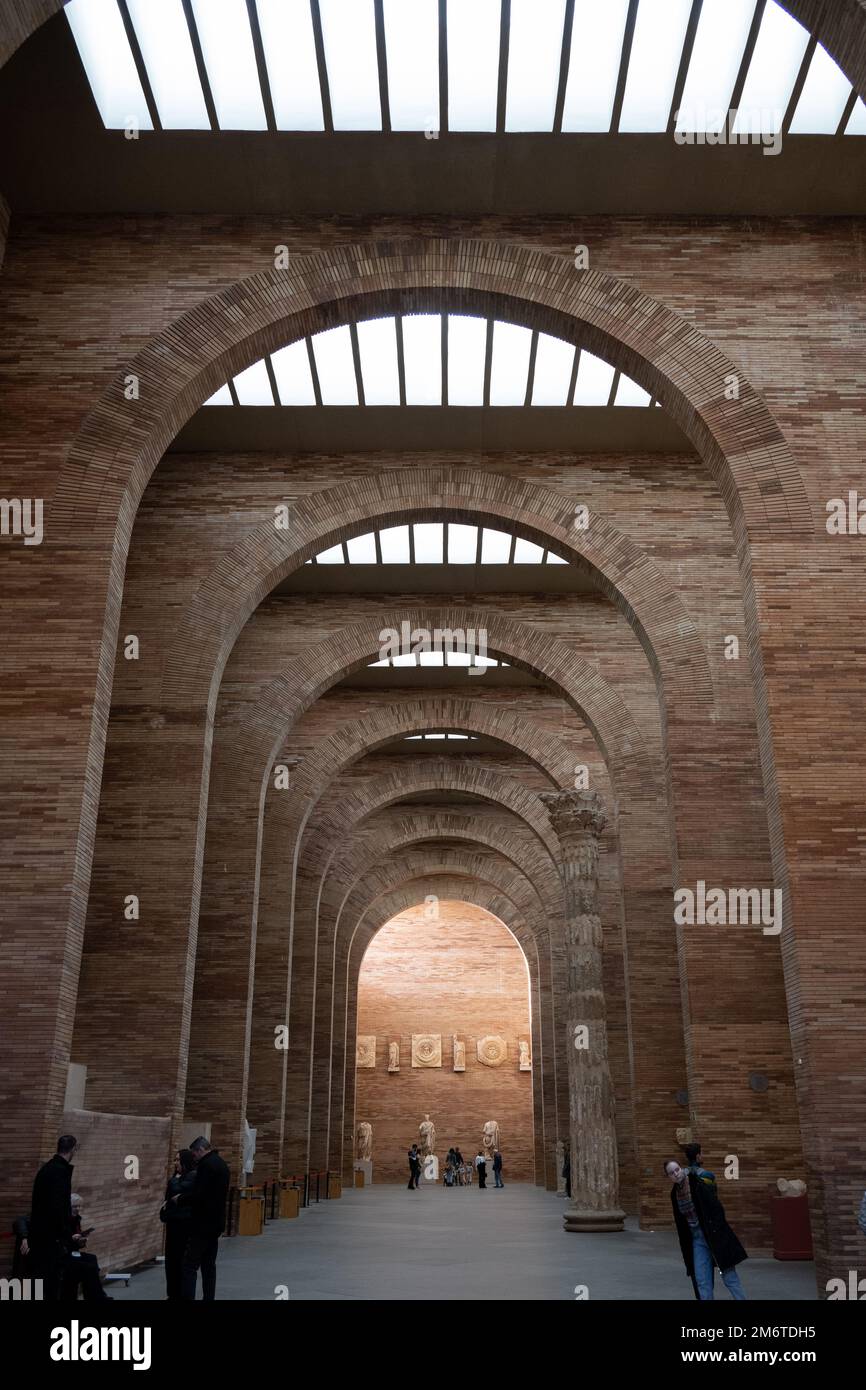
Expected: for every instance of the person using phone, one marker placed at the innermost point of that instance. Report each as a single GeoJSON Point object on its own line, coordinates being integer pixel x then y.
{"type": "Point", "coordinates": [81, 1269]}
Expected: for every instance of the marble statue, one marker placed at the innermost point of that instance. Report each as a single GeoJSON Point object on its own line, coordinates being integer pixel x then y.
{"type": "Point", "coordinates": [489, 1138]}
{"type": "Point", "coordinates": [560, 1165]}
{"type": "Point", "coordinates": [364, 1148]}
{"type": "Point", "coordinates": [249, 1146]}
{"type": "Point", "coordinates": [459, 1054]}
{"type": "Point", "coordinates": [791, 1189]}
{"type": "Point", "coordinates": [394, 1056]}
{"type": "Point", "coordinates": [427, 1131]}
{"type": "Point", "coordinates": [525, 1059]}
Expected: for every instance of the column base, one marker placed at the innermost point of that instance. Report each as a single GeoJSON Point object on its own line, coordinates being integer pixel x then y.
{"type": "Point", "coordinates": [581, 1221]}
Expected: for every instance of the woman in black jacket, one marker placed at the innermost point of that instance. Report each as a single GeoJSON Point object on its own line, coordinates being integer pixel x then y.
{"type": "Point", "coordinates": [705, 1236]}
{"type": "Point", "coordinates": [176, 1212]}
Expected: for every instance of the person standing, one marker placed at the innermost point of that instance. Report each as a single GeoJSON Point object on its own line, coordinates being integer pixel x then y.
{"type": "Point", "coordinates": [481, 1166]}
{"type": "Point", "coordinates": [497, 1169]}
{"type": "Point", "coordinates": [414, 1167]}
{"type": "Point", "coordinates": [176, 1212]}
{"type": "Point", "coordinates": [51, 1235]}
{"type": "Point", "coordinates": [207, 1203]}
{"type": "Point", "coordinates": [705, 1236]}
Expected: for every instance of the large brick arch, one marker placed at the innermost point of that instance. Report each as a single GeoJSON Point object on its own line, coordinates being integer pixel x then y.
{"type": "Point", "coordinates": [624, 572]}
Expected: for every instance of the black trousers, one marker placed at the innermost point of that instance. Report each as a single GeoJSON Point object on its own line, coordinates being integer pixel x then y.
{"type": "Point", "coordinates": [49, 1267]}
{"type": "Point", "coordinates": [482, 1175]}
{"type": "Point", "coordinates": [176, 1240]}
{"type": "Point", "coordinates": [200, 1253]}
{"type": "Point", "coordinates": [82, 1272]}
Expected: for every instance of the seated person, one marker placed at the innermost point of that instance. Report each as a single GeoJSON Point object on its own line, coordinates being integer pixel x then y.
{"type": "Point", "coordinates": [21, 1261]}
{"type": "Point", "coordinates": [81, 1270]}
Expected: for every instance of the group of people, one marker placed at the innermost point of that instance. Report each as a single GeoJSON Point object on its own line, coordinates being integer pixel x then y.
{"type": "Point", "coordinates": [457, 1171]}
{"type": "Point", "coordinates": [50, 1242]}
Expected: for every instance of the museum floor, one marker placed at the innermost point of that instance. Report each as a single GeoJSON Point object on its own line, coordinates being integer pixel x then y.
{"type": "Point", "coordinates": [387, 1243]}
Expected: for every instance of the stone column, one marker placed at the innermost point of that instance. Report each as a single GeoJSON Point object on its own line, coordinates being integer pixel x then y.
{"type": "Point", "coordinates": [578, 819]}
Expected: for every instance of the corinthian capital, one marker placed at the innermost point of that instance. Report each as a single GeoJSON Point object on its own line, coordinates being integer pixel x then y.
{"type": "Point", "coordinates": [575, 813]}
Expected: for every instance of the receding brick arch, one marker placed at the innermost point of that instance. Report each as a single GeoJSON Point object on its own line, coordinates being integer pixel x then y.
{"type": "Point", "coordinates": [624, 572]}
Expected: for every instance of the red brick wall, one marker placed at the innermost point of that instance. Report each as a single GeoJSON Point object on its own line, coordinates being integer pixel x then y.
{"type": "Point", "coordinates": [466, 975]}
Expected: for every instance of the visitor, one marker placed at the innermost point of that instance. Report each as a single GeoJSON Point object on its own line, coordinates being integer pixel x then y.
{"type": "Point", "coordinates": [414, 1167]}
{"type": "Point", "coordinates": [176, 1212]}
{"type": "Point", "coordinates": [481, 1165]}
{"type": "Point", "coordinates": [497, 1169]}
{"type": "Point", "coordinates": [81, 1269]}
{"type": "Point", "coordinates": [206, 1200]}
{"type": "Point", "coordinates": [21, 1252]}
{"type": "Point", "coordinates": [459, 1167]}
{"type": "Point", "coordinates": [51, 1235]}
{"type": "Point", "coordinates": [705, 1236]}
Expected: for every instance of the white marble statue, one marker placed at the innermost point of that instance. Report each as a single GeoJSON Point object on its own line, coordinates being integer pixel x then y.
{"type": "Point", "coordinates": [394, 1056]}
{"type": "Point", "coordinates": [427, 1131]}
{"type": "Point", "coordinates": [364, 1147]}
{"type": "Point", "coordinates": [249, 1146]}
{"type": "Point", "coordinates": [489, 1138]}
{"type": "Point", "coordinates": [525, 1060]}
{"type": "Point", "coordinates": [459, 1054]}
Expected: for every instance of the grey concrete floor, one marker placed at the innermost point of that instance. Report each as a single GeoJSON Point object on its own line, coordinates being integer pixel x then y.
{"type": "Point", "coordinates": [460, 1244]}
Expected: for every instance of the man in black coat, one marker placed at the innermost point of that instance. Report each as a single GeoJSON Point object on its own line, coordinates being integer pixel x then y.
{"type": "Point", "coordinates": [207, 1203]}
{"type": "Point", "coordinates": [51, 1234]}
{"type": "Point", "coordinates": [705, 1236]}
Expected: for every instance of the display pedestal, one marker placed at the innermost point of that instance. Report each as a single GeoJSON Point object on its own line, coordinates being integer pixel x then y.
{"type": "Point", "coordinates": [364, 1166]}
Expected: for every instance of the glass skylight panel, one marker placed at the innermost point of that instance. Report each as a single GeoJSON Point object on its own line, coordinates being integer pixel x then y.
{"type": "Point", "coordinates": [594, 380]}
{"type": "Point", "coordinates": [335, 366]}
{"type": "Point", "coordinates": [554, 361]}
{"type": "Point", "coordinates": [434, 736]}
{"type": "Point", "coordinates": [510, 364]}
{"type": "Point", "coordinates": [656, 50]}
{"type": "Point", "coordinates": [377, 346]}
{"type": "Point", "coordinates": [292, 374]}
{"type": "Point", "coordinates": [772, 73]}
{"type": "Point", "coordinates": [386, 662]}
{"type": "Point", "coordinates": [485, 661]}
{"type": "Point", "coordinates": [166, 47]}
{"type": "Point", "coordinates": [349, 33]}
{"type": "Point", "coordinates": [290, 58]}
{"type": "Point", "coordinates": [100, 38]}
{"type": "Point", "coordinates": [527, 552]}
{"type": "Point", "coordinates": [406, 659]}
{"type": "Point", "coordinates": [718, 49]}
{"type": "Point", "coordinates": [467, 349]}
{"type": "Point", "coordinates": [253, 386]}
{"type": "Point", "coordinates": [394, 544]}
{"type": "Point", "coordinates": [221, 397]}
{"type": "Point", "coordinates": [823, 98]}
{"type": "Point", "coordinates": [229, 57]}
{"type": "Point", "coordinates": [412, 48]}
{"type": "Point", "coordinates": [362, 549]}
{"type": "Point", "coordinates": [462, 543]}
{"type": "Point", "coordinates": [458, 659]}
{"type": "Point", "coordinates": [457, 737]}
{"type": "Point", "coordinates": [555, 559]}
{"type": "Point", "coordinates": [333, 556]}
{"type": "Point", "coordinates": [473, 64]}
{"type": "Point", "coordinates": [495, 550]}
{"type": "Point", "coordinates": [857, 120]}
{"type": "Point", "coordinates": [431, 658]}
{"type": "Point", "coordinates": [429, 542]}
{"type": "Point", "coordinates": [422, 359]}
{"type": "Point", "coordinates": [594, 62]}
{"type": "Point", "coordinates": [629, 393]}
{"type": "Point", "coordinates": [534, 56]}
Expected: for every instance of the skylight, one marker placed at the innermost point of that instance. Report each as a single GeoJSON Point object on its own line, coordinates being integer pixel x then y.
{"type": "Point", "coordinates": [495, 547]}
{"type": "Point", "coordinates": [362, 550]}
{"type": "Point", "coordinates": [221, 397]}
{"type": "Point", "coordinates": [527, 552]}
{"type": "Point", "coordinates": [554, 363]}
{"type": "Point", "coordinates": [629, 393]}
{"type": "Point", "coordinates": [422, 355]}
{"type": "Point", "coordinates": [377, 345]}
{"type": "Point", "coordinates": [467, 349]}
{"type": "Point", "coordinates": [428, 543]}
{"type": "Point", "coordinates": [534, 57]}
{"type": "Point", "coordinates": [290, 58]}
{"type": "Point", "coordinates": [857, 120]}
{"type": "Point", "coordinates": [227, 48]}
{"type": "Point", "coordinates": [412, 46]}
{"type": "Point", "coordinates": [462, 544]}
{"type": "Point", "coordinates": [593, 66]}
{"type": "Point", "coordinates": [772, 73]}
{"type": "Point", "coordinates": [253, 386]}
{"type": "Point", "coordinates": [335, 366]}
{"type": "Point", "coordinates": [101, 40]}
{"type": "Point", "coordinates": [349, 34]}
{"type": "Point", "coordinates": [510, 364]}
{"type": "Point", "coordinates": [594, 380]}
{"type": "Point", "coordinates": [166, 47]}
{"type": "Point", "coordinates": [718, 50]}
{"type": "Point", "coordinates": [473, 63]}
{"type": "Point", "coordinates": [656, 50]}
{"type": "Point", "coordinates": [394, 543]}
{"type": "Point", "coordinates": [292, 374]}
{"type": "Point", "coordinates": [823, 98]}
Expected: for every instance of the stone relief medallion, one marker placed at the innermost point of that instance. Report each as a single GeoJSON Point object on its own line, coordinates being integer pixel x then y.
{"type": "Point", "coordinates": [365, 1050]}
{"type": "Point", "coordinates": [492, 1051]}
{"type": "Point", "coordinates": [426, 1049]}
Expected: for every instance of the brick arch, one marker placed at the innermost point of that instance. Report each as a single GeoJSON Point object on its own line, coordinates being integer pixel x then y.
{"type": "Point", "coordinates": [624, 572]}
{"type": "Point", "coordinates": [840, 25]}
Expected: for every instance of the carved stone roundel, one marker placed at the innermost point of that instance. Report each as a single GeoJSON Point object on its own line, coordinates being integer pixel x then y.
{"type": "Point", "coordinates": [492, 1051]}
{"type": "Point", "coordinates": [426, 1050]}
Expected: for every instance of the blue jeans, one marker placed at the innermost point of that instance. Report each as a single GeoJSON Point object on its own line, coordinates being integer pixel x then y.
{"type": "Point", "coordinates": [703, 1262]}
{"type": "Point", "coordinates": [497, 1179]}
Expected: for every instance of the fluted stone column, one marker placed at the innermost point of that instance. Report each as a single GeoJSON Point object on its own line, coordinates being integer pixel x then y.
{"type": "Point", "coordinates": [578, 819]}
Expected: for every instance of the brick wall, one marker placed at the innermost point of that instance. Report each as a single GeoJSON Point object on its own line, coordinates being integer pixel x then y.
{"type": "Point", "coordinates": [462, 975]}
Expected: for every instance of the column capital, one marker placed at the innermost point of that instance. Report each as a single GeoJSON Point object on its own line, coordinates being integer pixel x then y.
{"type": "Point", "coordinates": [575, 812]}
